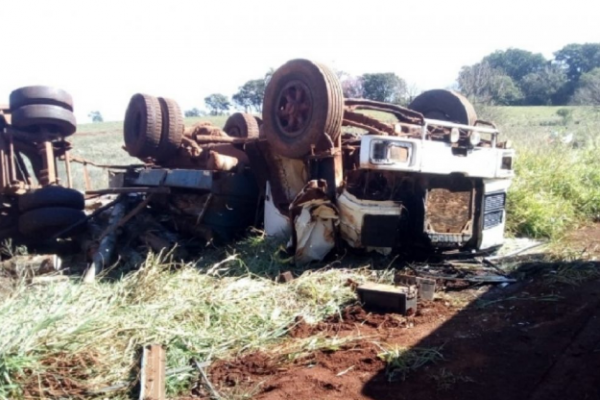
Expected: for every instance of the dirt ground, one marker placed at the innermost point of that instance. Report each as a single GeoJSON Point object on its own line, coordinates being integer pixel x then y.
{"type": "Point", "coordinates": [586, 240]}
{"type": "Point", "coordinates": [536, 339]}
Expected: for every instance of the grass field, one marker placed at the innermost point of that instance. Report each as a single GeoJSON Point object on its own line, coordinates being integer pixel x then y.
{"type": "Point", "coordinates": [68, 340]}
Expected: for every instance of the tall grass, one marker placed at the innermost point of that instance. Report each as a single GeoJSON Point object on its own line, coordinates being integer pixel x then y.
{"type": "Point", "coordinates": [68, 339]}
{"type": "Point", "coordinates": [557, 185]}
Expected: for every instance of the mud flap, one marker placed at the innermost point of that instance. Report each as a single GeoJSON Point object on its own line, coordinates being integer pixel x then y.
{"type": "Point", "coordinates": [316, 221]}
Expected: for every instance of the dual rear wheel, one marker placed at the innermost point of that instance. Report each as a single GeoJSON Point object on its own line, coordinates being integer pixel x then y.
{"type": "Point", "coordinates": [36, 109]}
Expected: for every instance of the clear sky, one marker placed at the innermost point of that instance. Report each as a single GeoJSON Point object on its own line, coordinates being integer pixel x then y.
{"type": "Point", "coordinates": [102, 52]}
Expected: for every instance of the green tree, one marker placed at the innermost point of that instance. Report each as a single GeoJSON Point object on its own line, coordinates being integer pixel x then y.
{"type": "Point", "coordinates": [576, 60]}
{"type": "Point", "coordinates": [516, 63]}
{"type": "Point", "coordinates": [543, 87]}
{"type": "Point", "coordinates": [250, 95]}
{"type": "Point", "coordinates": [486, 85]}
{"type": "Point", "coordinates": [95, 116]}
{"type": "Point", "coordinates": [194, 112]}
{"type": "Point", "coordinates": [217, 103]}
{"type": "Point", "coordinates": [387, 87]}
{"type": "Point", "coordinates": [588, 90]}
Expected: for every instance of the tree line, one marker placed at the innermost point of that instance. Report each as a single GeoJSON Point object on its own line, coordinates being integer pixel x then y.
{"type": "Point", "coordinates": [387, 87]}
{"type": "Point", "coordinates": [504, 77]}
{"type": "Point", "coordinates": [520, 77]}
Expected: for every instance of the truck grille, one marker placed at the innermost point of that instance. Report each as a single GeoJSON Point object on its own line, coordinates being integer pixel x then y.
{"type": "Point", "coordinates": [492, 219]}
{"type": "Point", "coordinates": [494, 202]}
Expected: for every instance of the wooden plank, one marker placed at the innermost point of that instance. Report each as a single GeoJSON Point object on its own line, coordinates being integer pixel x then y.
{"type": "Point", "coordinates": [152, 381]}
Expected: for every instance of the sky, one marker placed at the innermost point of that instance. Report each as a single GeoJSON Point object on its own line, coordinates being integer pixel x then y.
{"type": "Point", "coordinates": [103, 52]}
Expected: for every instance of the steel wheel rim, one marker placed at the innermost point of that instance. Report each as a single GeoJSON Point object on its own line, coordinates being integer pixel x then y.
{"type": "Point", "coordinates": [294, 108]}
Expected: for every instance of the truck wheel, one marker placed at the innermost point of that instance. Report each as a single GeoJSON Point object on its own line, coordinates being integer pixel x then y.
{"type": "Point", "coordinates": [303, 102]}
{"type": "Point", "coordinates": [445, 105]}
{"type": "Point", "coordinates": [40, 95]}
{"type": "Point", "coordinates": [45, 222]}
{"type": "Point", "coordinates": [172, 128]}
{"type": "Point", "coordinates": [35, 117]}
{"type": "Point", "coordinates": [142, 127]}
{"type": "Point", "coordinates": [241, 125]}
{"type": "Point", "coordinates": [51, 196]}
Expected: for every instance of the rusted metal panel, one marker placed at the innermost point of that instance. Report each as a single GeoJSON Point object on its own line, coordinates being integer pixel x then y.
{"type": "Point", "coordinates": [450, 211]}
{"type": "Point", "coordinates": [153, 379]}
{"type": "Point", "coordinates": [47, 152]}
{"type": "Point", "coordinates": [403, 114]}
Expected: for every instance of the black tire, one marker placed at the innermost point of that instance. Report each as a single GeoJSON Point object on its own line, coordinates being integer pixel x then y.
{"type": "Point", "coordinates": [445, 105]}
{"type": "Point", "coordinates": [241, 125]}
{"type": "Point", "coordinates": [303, 100]}
{"type": "Point", "coordinates": [40, 95]}
{"type": "Point", "coordinates": [51, 196]}
{"type": "Point", "coordinates": [172, 129]}
{"type": "Point", "coordinates": [34, 118]}
{"type": "Point", "coordinates": [46, 222]}
{"type": "Point", "coordinates": [143, 126]}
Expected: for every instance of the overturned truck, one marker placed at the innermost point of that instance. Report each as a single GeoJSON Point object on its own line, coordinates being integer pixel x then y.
{"type": "Point", "coordinates": [325, 170]}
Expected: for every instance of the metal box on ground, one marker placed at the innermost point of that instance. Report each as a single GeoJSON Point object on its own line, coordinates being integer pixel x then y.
{"type": "Point", "coordinates": [381, 297]}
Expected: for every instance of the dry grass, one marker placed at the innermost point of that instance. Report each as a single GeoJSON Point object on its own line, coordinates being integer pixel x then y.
{"type": "Point", "coordinates": [70, 339]}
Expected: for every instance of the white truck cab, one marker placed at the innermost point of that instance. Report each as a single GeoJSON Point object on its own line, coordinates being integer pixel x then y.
{"type": "Point", "coordinates": [411, 190]}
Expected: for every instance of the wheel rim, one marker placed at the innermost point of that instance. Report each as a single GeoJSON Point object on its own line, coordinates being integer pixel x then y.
{"type": "Point", "coordinates": [294, 105]}
{"type": "Point", "coordinates": [234, 131]}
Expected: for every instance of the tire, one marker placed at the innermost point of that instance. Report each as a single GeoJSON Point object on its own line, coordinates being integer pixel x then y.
{"type": "Point", "coordinates": [172, 128]}
{"type": "Point", "coordinates": [143, 126]}
{"type": "Point", "coordinates": [45, 222]}
{"type": "Point", "coordinates": [51, 196]}
{"type": "Point", "coordinates": [445, 105]}
{"type": "Point", "coordinates": [241, 125]}
{"type": "Point", "coordinates": [40, 95]}
{"type": "Point", "coordinates": [313, 98]}
{"type": "Point", "coordinates": [35, 117]}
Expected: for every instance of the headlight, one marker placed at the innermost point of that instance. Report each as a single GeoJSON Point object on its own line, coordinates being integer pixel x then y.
{"type": "Point", "coordinates": [388, 152]}
{"type": "Point", "coordinates": [475, 138]}
{"type": "Point", "coordinates": [454, 135]}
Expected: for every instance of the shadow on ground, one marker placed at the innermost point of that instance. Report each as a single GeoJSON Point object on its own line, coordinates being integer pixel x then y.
{"type": "Point", "coordinates": [538, 339]}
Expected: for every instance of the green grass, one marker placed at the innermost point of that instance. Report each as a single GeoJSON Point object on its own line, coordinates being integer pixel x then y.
{"type": "Point", "coordinates": [401, 361]}
{"type": "Point", "coordinates": [557, 185]}
{"type": "Point", "coordinates": [87, 337]}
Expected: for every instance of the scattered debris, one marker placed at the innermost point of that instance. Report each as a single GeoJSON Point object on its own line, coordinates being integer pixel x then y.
{"type": "Point", "coordinates": [425, 286]}
{"type": "Point", "coordinates": [398, 299]}
{"type": "Point", "coordinates": [104, 254]}
{"type": "Point", "coordinates": [285, 277]}
{"type": "Point", "coordinates": [31, 265]}
{"type": "Point", "coordinates": [201, 366]}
